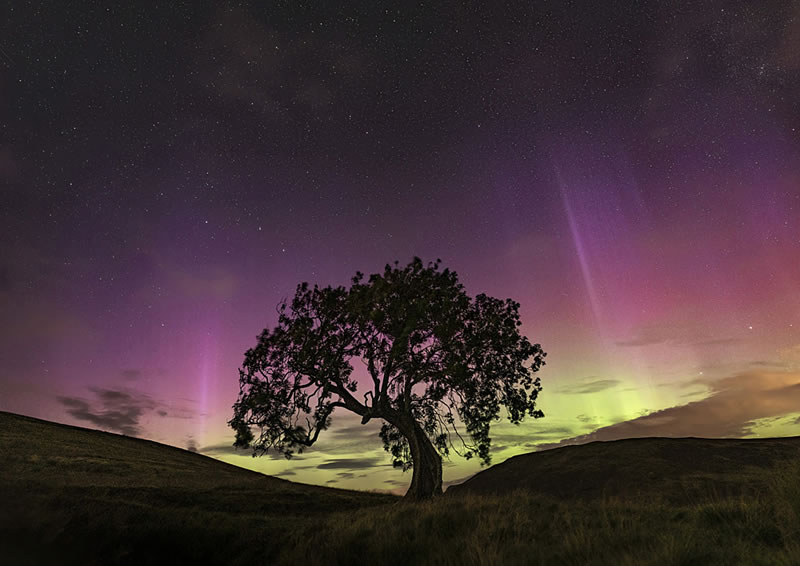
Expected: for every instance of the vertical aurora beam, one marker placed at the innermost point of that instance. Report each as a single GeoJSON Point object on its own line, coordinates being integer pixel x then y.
{"type": "Point", "coordinates": [580, 249]}
{"type": "Point", "coordinates": [208, 366]}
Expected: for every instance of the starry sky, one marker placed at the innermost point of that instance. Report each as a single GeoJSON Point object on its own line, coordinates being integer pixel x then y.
{"type": "Point", "coordinates": [628, 171]}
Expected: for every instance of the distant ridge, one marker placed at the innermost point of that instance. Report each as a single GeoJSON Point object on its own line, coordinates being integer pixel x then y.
{"type": "Point", "coordinates": [679, 469]}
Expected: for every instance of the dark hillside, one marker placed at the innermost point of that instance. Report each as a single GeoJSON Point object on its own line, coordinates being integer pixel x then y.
{"type": "Point", "coordinates": [680, 469]}
{"type": "Point", "coordinates": [68, 493]}
{"type": "Point", "coordinates": [75, 496]}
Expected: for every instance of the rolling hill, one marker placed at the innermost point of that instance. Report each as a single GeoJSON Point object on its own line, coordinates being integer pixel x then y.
{"type": "Point", "coordinates": [69, 494]}
{"type": "Point", "coordinates": [680, 469]}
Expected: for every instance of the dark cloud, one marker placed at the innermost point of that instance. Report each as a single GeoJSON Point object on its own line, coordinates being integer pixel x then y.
{"type": "Point", "coordinates": [227, 448]}
{"type": "Point", "coordinates": [357, 431]}
{"type": "Point", "coordinates": [118, 410]}
{"type": "Point", "coordinates": [528, 437]}
{"type": "Point", "coordinates": [689, 394]}
{"type": "Point", "coordinates": [223, 448]}
{"type": "Point", "coordinates": [590, 387]}
{"type": "Point", "coordinates": [111, 396]}
{"type": "Point", "coordinates": [517, 435]}
{"type": "Point", "coordinates": [351, 463]}
{"type": "Point", "coordinates": [347, 436]}
{"type": "Point", "coordinates": [180, 413]}
{"type": "Point", "coordinates": [114, 410]}
{"type": "Point", "coordinates": [731, 410]}
{"type": "Point", "coordinates": [191, 445]}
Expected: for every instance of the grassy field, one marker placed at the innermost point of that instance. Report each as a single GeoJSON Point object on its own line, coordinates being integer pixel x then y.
{"type": "Point", "coordinates": [73, 496]}
{"type": "Point", "coordinates": [524, 528]}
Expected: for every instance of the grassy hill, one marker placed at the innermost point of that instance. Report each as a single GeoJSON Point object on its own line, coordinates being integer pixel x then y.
{"type": "Point", "coordinates": [75, 496]}
{"type": "Point", "coordinates": [678, 469]}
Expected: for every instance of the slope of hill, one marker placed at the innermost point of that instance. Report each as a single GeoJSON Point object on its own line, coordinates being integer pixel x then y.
{"type": "Point", "coordinates": [68, 494]}
{"type": "Point", "coordinates": [75, 496]}
{"type": "Point", "coordinates": [678, 469]}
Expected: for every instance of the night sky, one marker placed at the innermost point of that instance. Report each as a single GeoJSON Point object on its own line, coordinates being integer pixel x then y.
{"type": "Point", "coordinates": [628, 171]}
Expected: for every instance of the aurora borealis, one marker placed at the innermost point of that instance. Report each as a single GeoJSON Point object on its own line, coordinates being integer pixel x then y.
{"type": "Point", "coordinates": [630, 174]}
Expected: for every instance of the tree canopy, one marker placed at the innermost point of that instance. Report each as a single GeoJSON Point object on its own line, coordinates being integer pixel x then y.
{"type": "Point", "coordinates": [440, 367]}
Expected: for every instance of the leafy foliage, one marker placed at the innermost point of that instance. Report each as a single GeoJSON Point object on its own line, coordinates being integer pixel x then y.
{"type": "Point", "coordinates": [438, 360]}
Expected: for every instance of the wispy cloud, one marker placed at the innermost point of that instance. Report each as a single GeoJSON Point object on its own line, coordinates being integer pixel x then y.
{"type": "Point", "coordinates": [355, 432]}
{"type": "Point", "coordinates": [730, 410]}
{"type": "Point", "coordinates": [680, 334]}
{"type": "Point", "coordinates": [351, 463]}
{"type": "Point", "coordinates": [346, 436]}
{"type": "Point", "coordinates": [594, 386]}
{"type": "Point", "coordinates": [228, 449]}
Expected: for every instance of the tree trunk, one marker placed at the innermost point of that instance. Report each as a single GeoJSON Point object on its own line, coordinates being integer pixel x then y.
{"type": "Point", "coordinates": [427, 464]}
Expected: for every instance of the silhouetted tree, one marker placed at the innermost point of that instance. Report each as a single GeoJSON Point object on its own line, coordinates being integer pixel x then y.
{"type": "Point", "coordinates": [437, 360]}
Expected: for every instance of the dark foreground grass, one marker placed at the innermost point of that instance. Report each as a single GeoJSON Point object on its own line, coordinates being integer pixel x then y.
{"type": "Point", "coordinates": [522, 528]}
{"type": "Point", "coordinates": [72, 496]}
{"type": "Point", "coordinates": [526, 528]}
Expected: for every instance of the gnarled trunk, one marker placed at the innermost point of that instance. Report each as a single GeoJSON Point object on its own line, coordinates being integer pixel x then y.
{"type": "Point", "coordinates": [427, 464]}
